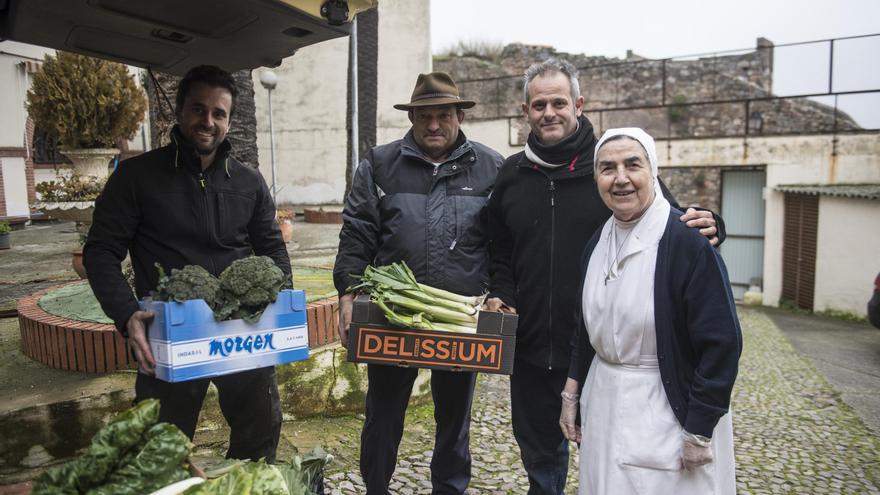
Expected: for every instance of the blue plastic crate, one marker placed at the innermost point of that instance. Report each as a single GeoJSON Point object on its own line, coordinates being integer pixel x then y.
{"type": "Point", "coordinates": [188, 343]}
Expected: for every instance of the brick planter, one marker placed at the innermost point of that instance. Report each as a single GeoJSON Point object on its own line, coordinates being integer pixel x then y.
{"type": "Point", "coordinates": [98, 348]}
{"type": "Point", "coordinates": [69, 344]}
{"type": "Point", "coordinates": [322, 216]}
{"type": "Point", "coordinates": [323, 319]}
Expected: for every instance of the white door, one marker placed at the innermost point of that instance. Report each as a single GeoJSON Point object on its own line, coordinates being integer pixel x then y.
{"type": "Point", "coordinates": [742, 207]}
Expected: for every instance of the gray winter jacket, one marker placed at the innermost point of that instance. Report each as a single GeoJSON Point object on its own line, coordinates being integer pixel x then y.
{"type": "Point", "coordinates": [404, 207]}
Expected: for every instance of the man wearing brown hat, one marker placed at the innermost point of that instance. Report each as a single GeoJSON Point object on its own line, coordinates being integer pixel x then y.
{"type": "Point", "coordinates": [422, 200]}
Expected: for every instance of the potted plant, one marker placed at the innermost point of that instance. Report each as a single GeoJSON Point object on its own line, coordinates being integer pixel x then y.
{"type": "Point", "coordinates": [89, 105]}
{"type": "Point", "coordinates": [284, 217]}
{"type": "Point", "coordinates": [71, 197]}
{"type": "Point", "coordinates": [4, 235]}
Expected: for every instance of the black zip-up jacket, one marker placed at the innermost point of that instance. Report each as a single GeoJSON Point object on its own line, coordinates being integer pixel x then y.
{"type": "Point", "coordinates": [540, 220]}
{"type": "Point", "coordinates": [161, 207]}
{"type": "Point", "coordinates": [403, 207]}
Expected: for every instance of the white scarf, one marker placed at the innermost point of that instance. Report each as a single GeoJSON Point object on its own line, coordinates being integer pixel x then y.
{"type": "Point", "coordinates": [534, 158]}
{"type": "Point", "coordinates": [618, 298]}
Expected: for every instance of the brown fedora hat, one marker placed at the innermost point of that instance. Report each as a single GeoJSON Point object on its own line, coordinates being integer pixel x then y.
{"type": "Point", "coordinates": [436, 88]}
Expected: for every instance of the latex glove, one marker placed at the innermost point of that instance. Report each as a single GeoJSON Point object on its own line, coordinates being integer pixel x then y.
{"type": "Point", "coordinates": [568, 414]}
{"type": "Point", "coordinates": [696, 450]}
{"type": "Point", "coordinates": [702, 220]}
{"type": "Point", "coordinates": [136, 326]}
{"type": "Point", "coordinates": [346, 304]}
{"type": "Point", "coordinates": [496, 304]}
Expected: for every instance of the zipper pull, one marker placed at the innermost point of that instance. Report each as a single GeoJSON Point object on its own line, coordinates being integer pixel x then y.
{"type": "Point", "coordinates": [202, 180]}
{"type": "Point", "coordinates": [552, 193]}
{"type": "Point", "coordinates": [452, 246]}
{"type": "Point", "coordinates": [436, 168]}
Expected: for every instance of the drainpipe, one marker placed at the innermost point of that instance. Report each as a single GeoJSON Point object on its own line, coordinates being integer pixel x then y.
{"type": "Point", "coordinates": [353, 71]}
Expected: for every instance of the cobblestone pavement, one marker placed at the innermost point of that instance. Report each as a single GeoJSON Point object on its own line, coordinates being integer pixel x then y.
{"type": "Point", "coordinates": [793, 433]}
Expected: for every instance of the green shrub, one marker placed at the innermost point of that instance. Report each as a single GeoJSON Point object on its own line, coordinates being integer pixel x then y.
{"type": "Point", "coordinates": [5, 228]}
{"type": "Point", "coordinates": [85, 102]}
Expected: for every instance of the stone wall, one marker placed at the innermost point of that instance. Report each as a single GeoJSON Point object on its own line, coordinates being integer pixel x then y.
{"type": "Point", "coordinates": [678, 98]}
{"type": "Point", "coordinates": [694, 186]}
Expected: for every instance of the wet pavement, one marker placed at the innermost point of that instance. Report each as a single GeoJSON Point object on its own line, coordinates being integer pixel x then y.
{"type": "Point", "coordinates": [803, 403]}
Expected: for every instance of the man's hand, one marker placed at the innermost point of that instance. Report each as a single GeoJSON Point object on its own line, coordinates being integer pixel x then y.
{"type": "Point", "coordinates": [568, 414]}
{"type": "Point", "coordinates": [346, 303]}
{"type": "Point", "coordinates": [137, 341]}
{"type": "Point", "coordinates": [702, 220]}
{"type": "Point", "coordinates": [496, 304]}
{"type": "Point", "coordinates": [695, 451]}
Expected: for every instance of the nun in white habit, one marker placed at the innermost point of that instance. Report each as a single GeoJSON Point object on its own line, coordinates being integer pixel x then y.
{"type": "Point", "coordinates": [656, 358]}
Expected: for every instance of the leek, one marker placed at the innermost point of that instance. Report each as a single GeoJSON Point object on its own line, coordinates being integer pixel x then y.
{"type": "Point", "coordinates": [406, 302]}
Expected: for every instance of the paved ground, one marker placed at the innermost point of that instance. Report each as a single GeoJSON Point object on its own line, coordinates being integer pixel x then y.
{"type": "Point", "coordinates": [797, 431]}
{"type": "Point", "coordinates": [794, 433]}
{"type": "Point", "coordinates": [847, 353]}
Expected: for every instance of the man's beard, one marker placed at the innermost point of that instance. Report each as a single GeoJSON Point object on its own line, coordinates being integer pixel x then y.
{"type": "Point", "coordinates": [205, 152]}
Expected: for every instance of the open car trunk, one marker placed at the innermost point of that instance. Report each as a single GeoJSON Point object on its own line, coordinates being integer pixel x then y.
{"type": "Point", "coordinates": [175, 35]}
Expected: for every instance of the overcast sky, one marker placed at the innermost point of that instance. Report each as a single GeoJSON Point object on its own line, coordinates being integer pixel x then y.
{"type": "Point", "coordinates": [652, 28]}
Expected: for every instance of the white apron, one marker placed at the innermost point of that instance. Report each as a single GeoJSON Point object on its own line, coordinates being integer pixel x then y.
{"type": "Point", "coordinates": [631, 440]}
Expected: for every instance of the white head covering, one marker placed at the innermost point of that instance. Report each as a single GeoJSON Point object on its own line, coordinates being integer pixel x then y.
{"type": "Point", "coordinates": [644, 139]}
{"type": "Point", "coordinates": [618, 302]}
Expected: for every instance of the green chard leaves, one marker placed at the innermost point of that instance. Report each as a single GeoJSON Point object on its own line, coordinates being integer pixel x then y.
{"type": "Point", "coordinates": [132, 454]}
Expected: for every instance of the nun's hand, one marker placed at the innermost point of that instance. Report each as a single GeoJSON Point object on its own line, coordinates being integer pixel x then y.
{"type": "Point", "coordinates": [568, 414]}
{"type": "Point", "coordinates": [695, 450]}
{"type": "Point", "coordinates": [703, 220]}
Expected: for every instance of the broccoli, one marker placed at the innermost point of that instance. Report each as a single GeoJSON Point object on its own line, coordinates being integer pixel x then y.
{"type": "Point", "coordinates": [247, 286]}
{"type": "Point", "coordinates": [242, 291]}
{"type": "Point", "coordinates": [189, 282]}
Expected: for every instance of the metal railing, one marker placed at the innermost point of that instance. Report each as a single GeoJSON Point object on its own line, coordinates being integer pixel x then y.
{"type": "Point", "coordinates": [732, 93]}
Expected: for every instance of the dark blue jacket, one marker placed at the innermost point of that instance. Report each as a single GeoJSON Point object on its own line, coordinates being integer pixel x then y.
{"type": "Point", "coordinates": [402, 207]}
{"type": "Point", "coordinates": [699, 340]}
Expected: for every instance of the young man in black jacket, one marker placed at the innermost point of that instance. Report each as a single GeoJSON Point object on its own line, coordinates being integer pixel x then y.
{"type": "Point", "coordinates": [189, 203]}
{"type": "Point", "coordinates": [543, 210]}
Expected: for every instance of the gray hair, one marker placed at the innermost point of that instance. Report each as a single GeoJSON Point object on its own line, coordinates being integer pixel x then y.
{"type": "Point", "coordinates": [552, 65]}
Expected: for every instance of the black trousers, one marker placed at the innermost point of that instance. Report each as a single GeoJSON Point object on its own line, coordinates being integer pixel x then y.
{"type": "Point", "coordinates": [387, 399]}
{"type": "Point", "coordinates": [248, 399]}
{"type": "Point", "coordinates": [535, 403]}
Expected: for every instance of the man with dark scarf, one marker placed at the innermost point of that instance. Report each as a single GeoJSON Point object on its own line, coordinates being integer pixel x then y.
{"type": "Point", "coordinates": [543, 210]}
